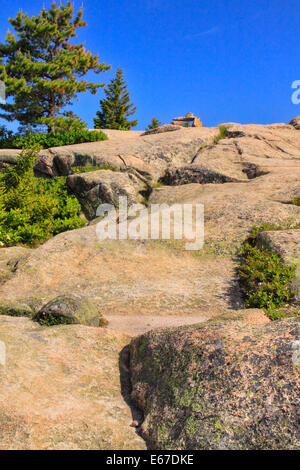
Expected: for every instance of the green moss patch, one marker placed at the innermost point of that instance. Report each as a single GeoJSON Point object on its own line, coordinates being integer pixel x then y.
{"type": "Point", "coordinates": [16, 311]}
{"type": "Point", "coordinates": [296, 201]}
{"type": "Point", "coordinates": [86, 169]}
{"type": "Point", "coordinates": [70, 309]}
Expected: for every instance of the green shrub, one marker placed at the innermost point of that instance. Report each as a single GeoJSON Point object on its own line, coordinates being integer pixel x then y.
{"type": "Point", "coordinates": [157, 184]}
{"type": "Point", "coordinates": [265, 280]}
{"type": "Point", "coordinates": [266, 227]}
{"type": "Point", "coordinates": [34, 209]}
{"type": "Point", "coordinates": [50, 140]}
{"type": "Point", "coordinates": [154, 124]}
{"type": "Point", "coordinates": [276, 314]}
{"type": "Point", "coordinates": [222, 134]}
{"type": "Point", "coordinates": [296, 201]}
{"type": "Point", "coordinates": [51, 320]}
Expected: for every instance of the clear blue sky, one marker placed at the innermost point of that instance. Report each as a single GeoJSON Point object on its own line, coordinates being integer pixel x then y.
{"type": "Point", "coordinates": [224, 60]}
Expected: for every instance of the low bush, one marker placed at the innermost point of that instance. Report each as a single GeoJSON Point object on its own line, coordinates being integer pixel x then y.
{"type": "Point", "coordinates": [265, 280]}
{"type": "Point", "coordinates": [51, 320]}
{"type": "Point", "coordinates": [10, 141]}
{"type": "Point", "coordinates": [222, 134]}
{"type": "Point", "coordinates": [154, 124]}
{"type": "Point", "coordinates": [296, 201]}
{"type": "Point", "coordinates": [34, 209]}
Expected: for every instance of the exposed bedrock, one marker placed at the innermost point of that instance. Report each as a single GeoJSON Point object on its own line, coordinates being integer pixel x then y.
{"type": "Point", "coordinates": [223, 385]}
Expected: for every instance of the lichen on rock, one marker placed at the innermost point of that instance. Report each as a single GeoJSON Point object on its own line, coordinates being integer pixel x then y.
{"type": "Point", "coordinates": [221, 385]}
{"type": "Point", "coordinates": [69, 309]}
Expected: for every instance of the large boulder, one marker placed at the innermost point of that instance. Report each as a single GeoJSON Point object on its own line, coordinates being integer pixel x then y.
{"type": "Point", "coordinates": [162, 129]}
{"type": "Point", "coordinates": [296, 122]}
{"type": "Point", "coordinates": [60, 162]}
{"type": "Point", "coordinates": [9, 155]}
{"type": "Point", "coordinates": [222, 385]}
{"type": "Point", "coordinates": [195, 174]}
{"type": "Point", "coordinates": [70, 309]}
{"type": "Point", "coordinates": [60, 388]}
{"type": "Point", "coordinates": [104, 186]}
{"type": "Point", "coordinates": [148, 155]}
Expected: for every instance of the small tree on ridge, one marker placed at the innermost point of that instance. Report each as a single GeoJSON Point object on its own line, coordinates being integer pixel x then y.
{"type": "Point", "coordinates": [154, 124]}
{"type": "Point", "coordinates": [116, 107]}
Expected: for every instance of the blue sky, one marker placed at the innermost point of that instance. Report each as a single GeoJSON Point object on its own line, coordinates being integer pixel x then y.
{"type": "Point", "coordinates": [224, 60]}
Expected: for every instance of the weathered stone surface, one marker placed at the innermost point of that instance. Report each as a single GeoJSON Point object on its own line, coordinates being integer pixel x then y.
{"type": "Point", "coordinates": [248, 152]}
{"type": "Point", "coordinates": [45, 165]}
{"type": "Point", "coordinates": [162, 129]}
{"type": "Point", "coordinates": [260, 166]}
{"type": "Point", "coordinates": [60, 388]}
{"type": "Point", "coordinates": [287, 244]}
{"type": "Point", "coordinates": [232, 209]}
{"type": "Point", "coordinates": [72, 308]}
{"type": "Point", "coordinates": [18, 308]}
{"type": "Point", "coordinates": [136, 325]}
{"type": "Point", "coordinates": [126, 277]}
{"type": "Point", "coordinates": [223, 385]}
{"type": "Point", "coordinates": [180, 124]}
{"type": "Point", "coordinates": [103, 186]}
{"type": "Point", "coordinates": [77, 262]}
{"type": "Point", "coordinates": [188, 117]}
{"type": "Point", "coordinates": [10, 259]}
{"type": "Point", "coordinates": [142, 285]}
{"type": "Point", "coordinates": [252, 150]}
{"type": "Point", "coordinates": [9, 155]}
{"type": "Point", "coordinates": [195, 174]}
{"type": "Point", "coordinates": [296, 122]}
{"type": "Point", "coordinates": [154, 152]}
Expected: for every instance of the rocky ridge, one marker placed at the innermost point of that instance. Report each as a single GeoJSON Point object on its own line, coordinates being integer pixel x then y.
{"type": "Point", "coordinates": [249, 177]}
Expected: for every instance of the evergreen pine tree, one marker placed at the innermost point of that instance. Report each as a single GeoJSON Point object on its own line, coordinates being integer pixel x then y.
{"type": "Point", "coordinates": [153, 124]}
{"type": "Point", "coordinates": [116, 107]}
{"type": "Point", "coordinates": [42, 71]}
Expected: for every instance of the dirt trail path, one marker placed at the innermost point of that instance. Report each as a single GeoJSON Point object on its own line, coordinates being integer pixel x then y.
{"type": "Point", "coordinates": [135, 325]}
